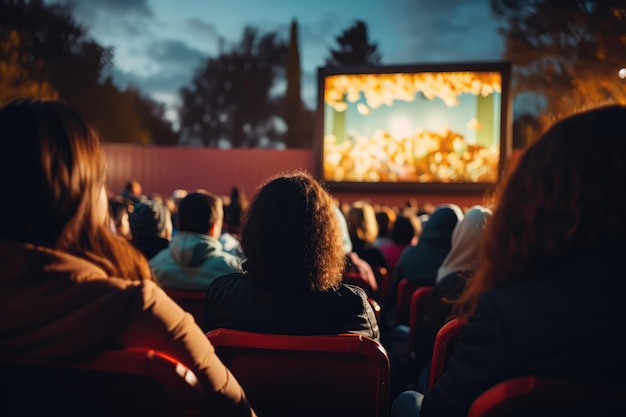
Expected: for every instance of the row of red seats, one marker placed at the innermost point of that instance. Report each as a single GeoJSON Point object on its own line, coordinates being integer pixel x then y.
{"type": "Point", "coordinates": [340, 375]}
{"type": "Point", "coordinates": [344, 375]}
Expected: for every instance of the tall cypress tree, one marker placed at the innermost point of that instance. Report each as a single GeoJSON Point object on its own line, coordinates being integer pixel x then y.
{"type": "Point", "coordinates": [293, 99]}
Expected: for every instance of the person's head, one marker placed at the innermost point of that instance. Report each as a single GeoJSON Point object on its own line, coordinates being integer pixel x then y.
{"type": "Point", "coordinates": [133, 188]}
{"type": "Point", "coordinates": [238, 197]}
{"type": "Point", "coordinates": [150, 218]}
{"type": "Point", "coordinates": [119, 209]}
{"type": "Point", "coordinates": [385, 217]}
{"type": "Point", "coordinates": [343, 228]}
{"type": "Point", "coordinates": [440, 225]}
{"type": "Point", "coordinates": [291, 236]}
{"type": "Point", "coordinates": [463, 256]}
{"type": "Point", "coordinates": [565, 195]}
{"type": "Point", "coordinates": [55, 171]}
{"type": "Point", "coordinates": [406, 228]}
{"type": "Point", "coordinates": [362, 223]}
{"type": "Point", "coordinates": [201, 212]}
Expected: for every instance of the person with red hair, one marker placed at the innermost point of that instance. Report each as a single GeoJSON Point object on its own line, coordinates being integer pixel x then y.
{"type": "Point", "coordinates": [547, 297]}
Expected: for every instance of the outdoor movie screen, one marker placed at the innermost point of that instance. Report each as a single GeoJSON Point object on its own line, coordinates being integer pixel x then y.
{"type": "Point", "coordinates": [438, 124]}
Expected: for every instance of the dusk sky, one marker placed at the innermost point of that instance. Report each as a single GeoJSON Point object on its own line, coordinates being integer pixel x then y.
{"type": "Point", "coordinates": [158, 44]}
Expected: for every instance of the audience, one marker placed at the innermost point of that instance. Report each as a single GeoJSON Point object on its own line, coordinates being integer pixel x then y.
{"type": "Point", "coordinates": [133, 192]}
{"type": "Point", "coordinates": [405, 232]}
{"type": "Point", "coordinates": [538, 282]}
{"type": "Point", "coordinates": [456, 269]}
{"type": "Point", "coordinates": [195, 257]}
{"type": "Point", "coordinates": [421, 262]}
{"type": "Point", "coordinates": [237, 205]}
{"type": "Point", "coordinates": [547, 297]}
{"type": "Point", "coordinates": [70, 287]}
{"type": "Point", "coordinates": [363, 229]}
{"type": "Point", "coordinates": [119, 208]}
{"type": "Point", "coordinates": [366, 277]}
{"type": "Point", "coordinates": [385, 218]}
{"type": "Point", "coordinates": [151, 227]}
{"type": "Point", "coordinates": [294, 265]}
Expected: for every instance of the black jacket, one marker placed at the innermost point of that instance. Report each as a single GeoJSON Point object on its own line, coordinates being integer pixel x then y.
{"type": "Point", "coordinates": [237, 301]}
{"type": "Point", "coordinates": [568, 323]}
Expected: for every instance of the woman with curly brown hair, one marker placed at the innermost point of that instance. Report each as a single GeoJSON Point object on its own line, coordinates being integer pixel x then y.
{"type": "Point", "coordinates": [547, 298]}
{"type": "Point", "coordinates": [70, 287]}
{"type": "Point", "coordinates": [294, 263]}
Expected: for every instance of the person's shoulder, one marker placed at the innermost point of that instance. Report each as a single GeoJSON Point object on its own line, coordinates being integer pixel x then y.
{"type": "Point", "coordinates": [229, 280]}
{"type": "Point", "coordinates": [161, 256]}
{"type": "Point", "coordinates": [352, 292]}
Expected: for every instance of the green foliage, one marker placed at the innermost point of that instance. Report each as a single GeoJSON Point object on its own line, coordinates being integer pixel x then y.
{"type": "Point", "coordinates": [354, 48]}
{"type": "Point", "coordinates": [566, 52]}
{"type": "Point", "coordinates": [229, 98]}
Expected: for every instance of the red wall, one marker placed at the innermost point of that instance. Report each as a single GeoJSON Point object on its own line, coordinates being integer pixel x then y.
{"type": "Point", "coordinates": [164, 169]}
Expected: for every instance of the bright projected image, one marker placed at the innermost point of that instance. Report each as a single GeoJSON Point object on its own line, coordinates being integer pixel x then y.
{"type": "Point", "coordinates": [420, 127]}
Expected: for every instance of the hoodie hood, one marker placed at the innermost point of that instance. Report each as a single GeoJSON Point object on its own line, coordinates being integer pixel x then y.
{"type": "Point", "coordinates": [192, 249]}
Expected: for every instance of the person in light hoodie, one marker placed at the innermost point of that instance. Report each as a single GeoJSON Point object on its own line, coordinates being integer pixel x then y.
{"type": "Point", "coordinates": [195, 256]}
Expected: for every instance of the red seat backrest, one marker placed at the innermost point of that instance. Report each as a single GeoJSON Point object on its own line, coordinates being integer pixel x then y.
{"type": "Point", "coordinates": [376, 307]}
{"type": "Point", "coordinates": [444, 345]}
{"type": "Point", "coordinates": [417, 307]}
{"type": "Point", "coordinates": [338, 375]}
{"type": "Point", "coordinates": [382, 278]}
{"type": "Point", "coordinates": [539, 396]}
{"type": "Point", "coordinates": [129, 382]}
{"type": "Point", "coordinates": [191, 301]}
{"type": "Point", "coordinates": [403, 300]}
{"type": "Point", "coordinates": [355, 278]}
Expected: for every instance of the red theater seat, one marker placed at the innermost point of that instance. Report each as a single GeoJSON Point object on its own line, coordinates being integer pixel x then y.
{"type": "Point", "coordinates": [382, 278]}
{"type": "Point", "coordinates": [444, 345]}
{"type": "Point", "coordinates": [376, 307]}
{"type": "Point", "coordinates": [355, 278]}
{"type": "Point", "coordinates": [417, 306]}
{"type": "Point", "coordinates": [191, 301]}
{"type": "Point", "coordinates": [542, 397]}
{"type": "Point", "coordinates": [131, 382]}
{"type": "Point", "coordinates": [341, 375]}
{"type": "Point", "coordinates": [403, 300]}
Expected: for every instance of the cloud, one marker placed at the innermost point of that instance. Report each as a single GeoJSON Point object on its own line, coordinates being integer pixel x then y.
{"type": "Point", "coordinates": [202, 29]}
{"type": "Point", "coordinates": [106, 19]}
{"type": "Point", "coordinates": [451, 30]}
{"type": "Point", "coordinates": [157, 84]}
{"type": "Point", "coordinates": [117, 7]}
{"type": "Point", "coordinates": [174, 55]}
{"type": "Point", "coordinates": [318, 37]}
{"type": "Point", "coordinates": [173, 63]}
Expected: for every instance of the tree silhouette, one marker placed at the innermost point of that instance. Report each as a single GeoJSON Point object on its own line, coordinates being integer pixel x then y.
{"type": "Point", "coordinates": [298, 119]}
{"type": "Point", "coordinates": [354, 48]}
{"type": "Point", "coordinates": [58, 50]}
{"type": "Point", "coordinates": [15, 81]}
{"type": "Point", "coordinates": [47, 54]}
{"type": "Point", "coordinates": [567, 53]}
{"type": "Point", "coordinates": [229, 99]}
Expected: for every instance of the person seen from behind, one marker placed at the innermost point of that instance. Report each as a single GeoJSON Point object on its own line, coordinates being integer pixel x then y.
{"type": "Point", "coordinates": [292, 280]}
{"type": "Point", "coordinates": [195, 256]}
{"type": "Point", "coordinates": [71, 288]}
{"type": "Point", "coordinates": [547, 297]}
